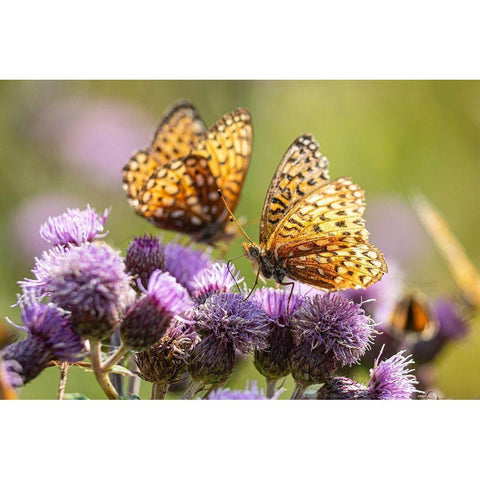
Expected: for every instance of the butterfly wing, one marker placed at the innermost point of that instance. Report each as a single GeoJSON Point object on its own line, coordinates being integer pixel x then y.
{"type": "Point", "coordinates": [227, 147]}
{"type": "Point", "coordinates": [179, 130]}
{"type": "Point", "coordinates": [181, 196]}
{"type": "Point", "coordinates": [302, 169]}
{"type": "Point", "coordinates": [322, 239]}
{"type": "Point", "coordinates": [411, 315]}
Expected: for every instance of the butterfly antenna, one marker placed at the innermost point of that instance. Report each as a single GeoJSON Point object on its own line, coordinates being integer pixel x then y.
{"type": "Point", "coordinates": [253, 288]}
{"type": "Point", "coordinates": [233, 219]}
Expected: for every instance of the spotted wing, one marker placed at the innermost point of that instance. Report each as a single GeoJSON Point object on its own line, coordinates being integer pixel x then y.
{"type": "Point", "coordinates": [227, 147]}
{"type": "Point", "coordinates": [182, 196]}
{"type": "Point", "coordinates": [323, 240]}
{"type": "Point", "coordinates": [179, 130]}
{"type": "Point", "coordinates": [302, 169]}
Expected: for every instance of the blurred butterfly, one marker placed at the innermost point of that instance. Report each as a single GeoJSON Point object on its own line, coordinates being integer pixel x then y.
{"type": "Point", "coordinates": [174, 183]}
{"type": "Point", "coordinates": [412, 315]}
{"type": "Point", "coordinates": [464, 272]}
{"type": "Point", "coordinates": [311, 229]}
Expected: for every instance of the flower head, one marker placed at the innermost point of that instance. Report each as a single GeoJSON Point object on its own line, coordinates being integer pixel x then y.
{"type": "Point", "coordinates": [231, 319]}
{"type": "Point", "coordinates": [392, 379]}
{"type": "Point", "coordinates": [148, 319]}
{"type": "Point", "coordinates": [165, 362]}
{"type": "Point", "coordinates": [329, 331]}
{"type": "Point", "coordinates": [252, 392]}
{"type": "Point", "coordinates": [452, 324]}
{"type": "Point", "coordinates": [144, 256]}
{"type": "Point", "coordinates": [184, 263]}
{"type": "Point", "coordinates": [50, 337]}
{"type": "Point", "coordinates": [89, 281]}
{"type": "Point", "coordinates": [10, 374]}
{"type": "Point", "coordinates": [273, 361]}
{"type": "Point", "coordinates": [74, 227]}
{"type": "Point", "coordinates": [218, 278]}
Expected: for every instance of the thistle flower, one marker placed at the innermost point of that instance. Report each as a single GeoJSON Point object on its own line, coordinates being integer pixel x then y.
{"type": "Point", "coordinates": [10, 373]}
{"type": "Point", "coordinates": [273, 361]}
{"type": "Point", "coordinates": [218, 278]}
{"type": "Point", "coordinates": [89, 281]}
{"type": "Point", "coordinates": [329, 332]}
{"type": "Point", "coordinates": [343, 388]}
{"type": "Point", "coordinates": [148, 319]}
{"type": "Point", "coordinates": [184, 263]}
{"type": "Point", "coordinates": [165, 362]}
{"type": "Point", "coordinates": [50, 337]}
{"type": "Point", "coordinates": [392, 379]}
{"type": "Point", "coordinates": [74, 227]}
{"type": "Point", "coordinates": [144, 256]}
{"type": "Point", "coordinates": [452, 323]}
{"type": "Point", "coordinates": [252, 392]}
{"type": "Point", "coordinates": [226, 322]}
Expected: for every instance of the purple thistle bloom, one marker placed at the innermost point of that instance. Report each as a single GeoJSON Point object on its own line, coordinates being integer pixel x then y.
{"type": "Point", "coordinates": [50, 337]}
{"type": "Point", "coordinates": [144, 256]}
{"type": "Point", "coordinates": [232, 319]}
{"type": "Point", "coordinates": [329, 332]}
{"type": "Point", "coordinates": [273, 361]}
{"type": "Point", "coordinates": [148, 319]}
{"type": "Point", "coordinates": [226, 322]}
{"type": "Point", "coordinates": [89, 281]}
{"type": "Point", "coordinates": [219, 278]}
{"type": "Point", "coordinates": [184, 263]}
{"type": "Point", "coordinates": [252, 392]}
{"type": "Point", "coordinates": [165, 362]}
{"type": "Point", "coordinates": [343, 388]}
{"type": "Point", "coordinates": [452, 324]}
{"type": "Point", "coordinates": [392, 379]}
{"type": "Point", "coordinates": [74, 227]}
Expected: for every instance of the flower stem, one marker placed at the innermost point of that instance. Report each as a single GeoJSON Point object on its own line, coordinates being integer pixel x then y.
{"type": "Point", "coordinates": [192, 389]}
{"type": "Point", "coordinates": [100, 374]}
{"type": "Point", "coordinates": [298, 392]}
{"type": "Point", "coordinates": [271, 387]}
{"type": "Point", "coordinates": [64, 366]}
{"type": "Point", "coordinates": [159, 390]}
{"type": "Point", "coordinates": [115, 357]}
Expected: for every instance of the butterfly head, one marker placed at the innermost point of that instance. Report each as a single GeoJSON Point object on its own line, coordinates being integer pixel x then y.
{"type": "Point", "coordinates": [256, 254]}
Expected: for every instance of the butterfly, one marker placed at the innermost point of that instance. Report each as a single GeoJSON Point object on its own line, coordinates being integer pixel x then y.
{"type": "Point", "coordinates": [311, 228]}
{"type": "Point", "coordinates": [464, 272]}
{"type": "Point", "coordinates": [174, 183]}
{"type": "Point", "coordinates": [412, 315]}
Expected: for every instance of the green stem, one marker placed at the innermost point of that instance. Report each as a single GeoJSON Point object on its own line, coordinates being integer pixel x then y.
{"type": "Point", "coordinates": [192, 389]}
{"type": "Point", "coordinates": [159, 390]}
{"type": "Point", "coordinates": [64, 366]}
{"type": "Point", "coordinates": [100, 374]}
{"type": "Point", "coordinates": [298, 392]}
{"type": "Point", "coordinates": [115, 357]}
{"type": "Point", "coordinates": [271, 387]}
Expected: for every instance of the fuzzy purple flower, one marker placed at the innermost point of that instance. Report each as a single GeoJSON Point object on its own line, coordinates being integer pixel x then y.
{"type": "Point", "coordinates": [74, 227]}
{"type": "Point", "coordinates": [252, 392]}
{"type": "Point", "coordinates": [273, 361]}
{"type": "Point", "coordinates": [392, 379]}
{"type": "Point", "coordinates": [144, 256]}
{"type": "Point", "coordinates": [226, 323]}
{"type": "Point", "coordinates": [329, 332]}
{"type": "Point", "coordinates": [148, 319]}
{"type": "Point", "coordinates": [10, 374]}
{"type": "Point", "coordinates": [89, 281]}
{"type": "Point", "coordinates": [452, 323]}
{"type": "Point", "coordinates": [219, 278]}
{"type": "Point", "coordinates": [184, 263]}
{"type": "Point", "coordinates": [50, 337]}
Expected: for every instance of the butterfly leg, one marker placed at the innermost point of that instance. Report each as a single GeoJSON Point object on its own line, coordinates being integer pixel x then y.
{"type": "Point", "coordinates": [292, 284]}
{"type": "Point", "coordinates": [230, 272]}
{"type": "Point", "coordinates": [254, 285]}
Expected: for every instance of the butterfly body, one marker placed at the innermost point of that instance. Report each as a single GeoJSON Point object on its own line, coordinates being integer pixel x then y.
{"type": "Point", "coordinates": [312, 229]}
{"type": "Point", "coordinates": [174, 183]}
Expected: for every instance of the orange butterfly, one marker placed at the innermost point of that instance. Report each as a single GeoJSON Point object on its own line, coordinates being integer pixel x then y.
{"type": "Point", "coordinates": [412, 315]}
{"type": "Point", "coordinates": [174, 182]}
{"type": "Point", "coordinates": [311, 229]}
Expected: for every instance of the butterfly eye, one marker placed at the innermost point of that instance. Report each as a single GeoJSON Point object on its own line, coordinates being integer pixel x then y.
{"type": "Point", "coordinates": [254, 251]}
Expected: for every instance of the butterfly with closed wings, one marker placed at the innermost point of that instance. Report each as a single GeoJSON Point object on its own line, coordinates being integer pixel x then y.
{"type": "Point", "coordinates": [312, 229]}
{"type": "Point", "coordinates": [174, 182]}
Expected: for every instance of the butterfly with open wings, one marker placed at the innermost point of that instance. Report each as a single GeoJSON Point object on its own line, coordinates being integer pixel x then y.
{"type": "Point", "coordinates": [312, 229]}
{"type": "Point", "coordinates": [174, 182]}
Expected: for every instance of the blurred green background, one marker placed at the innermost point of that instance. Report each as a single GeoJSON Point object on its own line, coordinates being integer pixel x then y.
{"type": "Point", "coordinates": [63, 144]}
